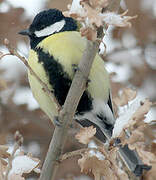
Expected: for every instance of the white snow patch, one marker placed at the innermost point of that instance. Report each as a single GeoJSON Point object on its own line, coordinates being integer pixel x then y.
{"type": "Point", "coordinates": [34, 148]}
{"type": "Point", "coordinates": [150, 55]}
{"type": "Point", "coordinates": [149, 6]}
{"type": "Point", "coordinates": [24, 96]}
{"type": "Point", "coordinates": [4, 7]}
{"type": "Point", "coordinates": [110, 43]}
{"type": "Point", "coordinates": [133, 57]}
{"type": "Point", "coordinates": [123, 5]}
{"type": "Point", "coordinates": [22, 164]}
{"type": "Point", "coordinates": [123, 72]}
{"type": "Point", "coordinates": [76, 7]}
{"type": "Point", "coordinates": [128, 40]}
{"type": "Point", "coordinates": [32, 7]}
{"type": "Point", "coordinates": [151, 115]}
{"type": "Point", "coordinates": [12, 66]}
{"type": "Point", "coordinates": [98, 154]}
{"type": "Point", "coordinates": [125, 113]}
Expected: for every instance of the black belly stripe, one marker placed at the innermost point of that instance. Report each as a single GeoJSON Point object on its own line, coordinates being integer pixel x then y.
{"type": "Point", "coordinates": [60, 81]}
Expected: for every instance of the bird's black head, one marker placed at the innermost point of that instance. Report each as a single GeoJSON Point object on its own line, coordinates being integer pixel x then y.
{"type": "Point", "coordinates": [46, 23]}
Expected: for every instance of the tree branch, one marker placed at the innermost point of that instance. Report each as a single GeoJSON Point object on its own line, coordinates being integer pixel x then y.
{"type": "Point", "coordinates": [67, 113]}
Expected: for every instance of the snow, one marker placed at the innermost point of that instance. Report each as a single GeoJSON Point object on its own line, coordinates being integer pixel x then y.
{"type": "Point", "coordinates": [129, 56]}
{"type": "Point", "coordinates": [34, 148]}
{"type": "Point", "coordinates": [4, 7]}
{"type": "Point", "coordinates": [123, 72]}
{"type": "Point", "coordinates": [22, 164]}
{"type": "Point", "coordinates": [151, 115]}
{"type": "Point", "coordinates": [150, 55]}
{"type": "Point", "coordinates": [24, 95]}
{"type": "Point", "coordinates": [76, 7]}
{"type": "Point", "coordinates": [12, 66]}
{"type": "Point", "coordinates": [149, 5]}
{"type": "Point", "coordinates": [110, 43]}
{"type": "Point", "coordinates": [125, 113]}
{"type": "Point", "coordinates": [32, 7]}
{"type": "Point", "coordinates": [129, 40]}
{"type": "Point", "coordinates": [98, 154]}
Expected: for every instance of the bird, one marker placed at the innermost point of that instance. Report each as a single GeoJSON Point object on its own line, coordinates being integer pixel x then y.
{"type": "Point", "coordinates": [56, 46]}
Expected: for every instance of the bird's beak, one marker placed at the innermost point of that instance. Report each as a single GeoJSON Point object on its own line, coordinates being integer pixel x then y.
{"type": "Point", "coordinates": [25, 32]}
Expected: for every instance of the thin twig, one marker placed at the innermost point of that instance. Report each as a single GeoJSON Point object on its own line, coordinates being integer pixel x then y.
{"type": "Point", "coordinates": [23, 59]}
{"type": "Point", "coordinates": [75, 153]}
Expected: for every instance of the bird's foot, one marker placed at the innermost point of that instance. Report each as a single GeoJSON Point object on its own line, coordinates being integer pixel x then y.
{"type": "Point", "coordinates": [57, 122]}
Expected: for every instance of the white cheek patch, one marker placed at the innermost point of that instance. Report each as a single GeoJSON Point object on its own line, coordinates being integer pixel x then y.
{"type": "Point", "coordinates": [56, 27]}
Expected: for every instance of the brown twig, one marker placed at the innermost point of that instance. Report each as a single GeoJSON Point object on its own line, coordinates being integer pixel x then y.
{"type": "Point", "coordinates": [75, 153]}
{"type": "Point", "coordinates": [23, 59]}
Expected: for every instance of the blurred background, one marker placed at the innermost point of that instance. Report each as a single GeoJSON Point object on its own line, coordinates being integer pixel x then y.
{"type": "Point", "coordinates": [130, 59]}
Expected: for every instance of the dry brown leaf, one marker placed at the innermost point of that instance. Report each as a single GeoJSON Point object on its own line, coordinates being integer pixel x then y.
{"type": "Point", "coordinates": [136, 136]}
{"type": "Point", "coordinates": [112, 157]}
{"type": "Point", "coordinates": [89, 33]}
{"type": "Point", "coordinates": [122, 174]}
{"type": "Point", "coordinates": [3, 167]}
{"type": "Point", "coordinates": [150, 175]}
{"type": "Point", "coordinates": [146, 156]}
{"type": "Point", "coordinates": [126, 96]}
{"type": "Point", "coordinates": [97, 3]}
{"type": "Point", "coordinates": [85, 134]}
{"type": "Point", "coordinates": [97, 167]}
{"type": "Point", "coordinates": [92, 15]}
{"type": "Point", "coordinates": [3, 151]}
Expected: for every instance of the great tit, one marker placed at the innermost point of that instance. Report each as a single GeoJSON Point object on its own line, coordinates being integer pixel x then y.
{"type": "Point", "coordinates": [56, 45]}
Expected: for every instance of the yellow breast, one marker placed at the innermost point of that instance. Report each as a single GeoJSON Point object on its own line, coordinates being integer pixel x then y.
{"type": "Point", "coordinates": [67, 48]}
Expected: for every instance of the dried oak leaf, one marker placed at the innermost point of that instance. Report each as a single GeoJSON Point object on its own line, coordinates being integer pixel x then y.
{"type": "Point", "coordinates": [3, 151]}
{"type": "Point", "coordinates": [136, 139]}
{"type": "Point", "coordinates": [150, 175]}
{"type": "Point", "coordinates": [146, 156]}
{"type": "Point", "coordinates": [89, 33]}
{"type": "Point", "coordinates": [85, 134]}
{"type": "Point", "coordinates": [97, 167]}
{"type": "Point", "coordinates": [97, 4]}
{"type": "Point", "coordinates": [126, 96]}
{"type": "Point", "coordinates": [93, 15]}
{"type": "Point", "coordinates": [112, 156]}
{"type": "Point", "coordinates": [118, 20]}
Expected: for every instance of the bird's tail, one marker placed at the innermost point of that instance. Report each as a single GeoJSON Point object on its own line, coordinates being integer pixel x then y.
{"type": "Point", "coordinates": [129, 157]}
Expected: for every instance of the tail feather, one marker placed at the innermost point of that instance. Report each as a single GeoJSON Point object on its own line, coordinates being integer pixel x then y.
{"type": "Point", "coordinates": [129, 157]}
{"type": "Point", "coordinates": [132, 160]}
